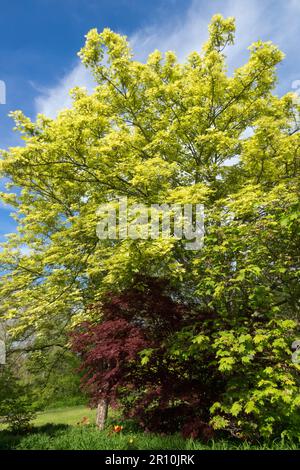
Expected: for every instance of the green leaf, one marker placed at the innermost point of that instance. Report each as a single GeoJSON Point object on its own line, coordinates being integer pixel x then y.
{"type": "Point", "coordinates": [236, 409]}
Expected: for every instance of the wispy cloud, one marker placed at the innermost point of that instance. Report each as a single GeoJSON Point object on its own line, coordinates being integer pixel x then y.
{"type": "Point", "coordinates": [276, 20]}
{"type": "Point", "coordinates": [179, 34]}
{"type": "Point", "coordinates": [53, 99]}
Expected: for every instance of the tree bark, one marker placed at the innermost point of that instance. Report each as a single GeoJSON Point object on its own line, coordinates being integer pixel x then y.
{"type": "Point", "coordinates": [102, 411]}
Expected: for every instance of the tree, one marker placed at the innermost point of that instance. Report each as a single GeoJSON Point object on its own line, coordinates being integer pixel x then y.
{"type": "Point", "coordinates": [164, 132]}
{"type": "Point", "coordinates": [126, 358]}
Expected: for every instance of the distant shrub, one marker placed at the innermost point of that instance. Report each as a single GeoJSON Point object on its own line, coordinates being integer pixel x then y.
{"type": "Point", "coordinates": [17, 408]}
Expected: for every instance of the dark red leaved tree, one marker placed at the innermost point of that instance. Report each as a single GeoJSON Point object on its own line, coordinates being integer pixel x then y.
{"type": "Point", "coordinates": [162, 393]}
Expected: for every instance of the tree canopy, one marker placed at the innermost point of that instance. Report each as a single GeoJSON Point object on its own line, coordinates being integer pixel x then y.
{"type": "Point", "coordinates": [168, 132]}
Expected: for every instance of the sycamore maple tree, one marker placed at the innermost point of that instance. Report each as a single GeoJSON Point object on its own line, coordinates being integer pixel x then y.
{"type": "Point", "coordinates": [157, 132]}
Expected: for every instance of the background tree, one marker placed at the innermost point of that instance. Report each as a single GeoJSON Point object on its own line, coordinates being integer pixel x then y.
{"type": "Point", "coordinates": [17, 400]}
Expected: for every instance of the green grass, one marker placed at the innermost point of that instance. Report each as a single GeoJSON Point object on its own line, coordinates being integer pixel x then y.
{"type": "Point", "coordinates": [67, 415]}
{"type": "Point", "coordinates": [70, 415]}
{"type": "Point", "coordinates": [57, 429]}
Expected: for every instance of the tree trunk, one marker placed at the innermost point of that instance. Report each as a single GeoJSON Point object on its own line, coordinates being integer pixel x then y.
{"type": "Point", "coordinates": [102, 411]}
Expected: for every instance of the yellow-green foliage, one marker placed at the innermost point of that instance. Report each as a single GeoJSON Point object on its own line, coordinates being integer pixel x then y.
{"type": "Point", "coordinates": [164, 131]}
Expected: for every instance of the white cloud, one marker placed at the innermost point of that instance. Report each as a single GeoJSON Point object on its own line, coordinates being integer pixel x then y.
{"type": "Point", "coordinates": [275, 20]}
{"type": "Point", "coordinates": [178, 34]}
{"type": "Point", "coordinates": [52, 100]}
{"type": "Point", "coordinates": [188, 33]}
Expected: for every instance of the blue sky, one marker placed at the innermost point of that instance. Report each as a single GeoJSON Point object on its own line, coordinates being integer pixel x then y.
{"type": "Point", "coordinates": [39, 41]}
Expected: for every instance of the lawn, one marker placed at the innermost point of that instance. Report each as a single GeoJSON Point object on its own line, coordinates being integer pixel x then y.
{"type": "Point", "coordinates": [62, 429]}
{"type": "Point", "coordinates": [68, 415]}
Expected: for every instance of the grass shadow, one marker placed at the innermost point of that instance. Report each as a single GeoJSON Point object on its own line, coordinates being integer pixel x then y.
{"type": "Point", "coordinates": [10, 440]}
